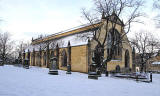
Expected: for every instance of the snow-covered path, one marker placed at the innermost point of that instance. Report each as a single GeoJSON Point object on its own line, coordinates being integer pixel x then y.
{"type": "Point", "coordinates": [16, 81]}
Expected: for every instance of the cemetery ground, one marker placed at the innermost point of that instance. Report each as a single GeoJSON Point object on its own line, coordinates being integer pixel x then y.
{"type": "Point", "coordinates": [17, 81]}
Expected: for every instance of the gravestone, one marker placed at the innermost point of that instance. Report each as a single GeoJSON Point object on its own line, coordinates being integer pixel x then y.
{"type": "Point", "coordinates": [68, 69]}
{"type": "Point", "coordinates": [53, 66]}
{"type": "Point", "coordinates": [26, 64]}
{"type": "Point", "coordinates": [99, 73]}
{"type": "Point", "coordinates": [117, 69]}
{"type": "Point", "coordinates": [92, 74]}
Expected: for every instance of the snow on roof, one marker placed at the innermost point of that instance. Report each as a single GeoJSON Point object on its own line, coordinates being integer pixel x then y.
{"type": "Point", "coordinates": [30, 48]}
{"type": "Point", "coordinates": [116, 60]}
{"type": "Point", "coordinates": [75, 40]}
{"type": "Point", "coordinates": [156, 62]}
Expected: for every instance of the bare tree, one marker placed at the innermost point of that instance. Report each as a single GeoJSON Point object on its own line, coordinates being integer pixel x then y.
{"type": "Point", "coordinates": [127, 10]}
{"type": "Point", "coordinates": [156, 5]}
{"type": "Point", "coordinates": [146, 46]}
{"type": "Point", "coordinates": [5, 46]}
{"type": "Point", "coordinates": [22, 46]}
{"type": "Point", "coordinates": [19, 49]}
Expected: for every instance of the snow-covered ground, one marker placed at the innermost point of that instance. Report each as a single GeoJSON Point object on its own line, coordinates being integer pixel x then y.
{"type": "Point", "coordinates": [16, 81]}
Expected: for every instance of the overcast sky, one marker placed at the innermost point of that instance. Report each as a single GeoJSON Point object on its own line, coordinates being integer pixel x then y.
{"type": "Point", "coordinates": [25, 19]}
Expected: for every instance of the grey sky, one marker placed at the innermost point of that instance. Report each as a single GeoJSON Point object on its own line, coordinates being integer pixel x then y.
{"type": "Point", "coordinates": [25, 19]}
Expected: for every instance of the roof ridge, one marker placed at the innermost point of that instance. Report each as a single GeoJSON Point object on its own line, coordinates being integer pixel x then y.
{"type": "Point", "coordinates": [68, 30]}
{"type": "Point", "coordinates": [74, 28]}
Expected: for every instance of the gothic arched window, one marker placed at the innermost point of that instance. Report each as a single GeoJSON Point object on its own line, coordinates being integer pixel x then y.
{"type": "Point", "coordinates": [64, 58]}
{"type": "Point", "coordinates": [52, 54]}
{"type": "Point", "coordinates": [127, 59]}
{"type": "Point", "coordinates": [37, 59]}
{"type": "Point", "coordinates": [113, 36]}
{"type": "Point", "coordinates": [44, 59]}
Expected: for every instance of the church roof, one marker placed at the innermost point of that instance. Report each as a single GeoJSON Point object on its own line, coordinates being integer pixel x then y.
{"type": "Point", "coordinates": [78, 29]}
{"type": "Point", "coordinates": [75, 40]}
{"type": "Point", "coordinates": [62, 38]}
{"type": "Point", "coordinates": [68, 32]}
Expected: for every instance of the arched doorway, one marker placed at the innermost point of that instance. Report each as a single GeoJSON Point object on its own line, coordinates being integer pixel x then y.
{"type": "Point", "coordinates": [127, 59]}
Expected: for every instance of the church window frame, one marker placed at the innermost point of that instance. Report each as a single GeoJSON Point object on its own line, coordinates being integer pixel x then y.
{"type": "Point", "coordinates": [64, 58]}
{"type": "Point", "coordinates": [117, 54]}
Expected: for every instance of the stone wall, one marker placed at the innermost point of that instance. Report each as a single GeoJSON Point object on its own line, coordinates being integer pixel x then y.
{"type": "Point", "coordinates": [78, 59]}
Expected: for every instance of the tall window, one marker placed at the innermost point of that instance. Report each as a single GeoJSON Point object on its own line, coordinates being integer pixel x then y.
{"type": "Point", "coordinates": [117, 43]}
{"type": "Point", "coordinates": [127, 59]}
{"type": "Point", "coordinates": [52, 54]}
{"type": "Point", "coordinates": [109, 42]}
{"type": "Point", "coordinates": [37, 59]}
{"type": "Point", "coordinates": [44, 59]}
{"type": "Point", "coordinates": [64, 58]}
{"type": "Point", "coordinates": [33, 58]}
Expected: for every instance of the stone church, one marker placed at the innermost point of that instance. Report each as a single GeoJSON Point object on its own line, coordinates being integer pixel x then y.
{"type": "Point", "coordinates": [76, 47]}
